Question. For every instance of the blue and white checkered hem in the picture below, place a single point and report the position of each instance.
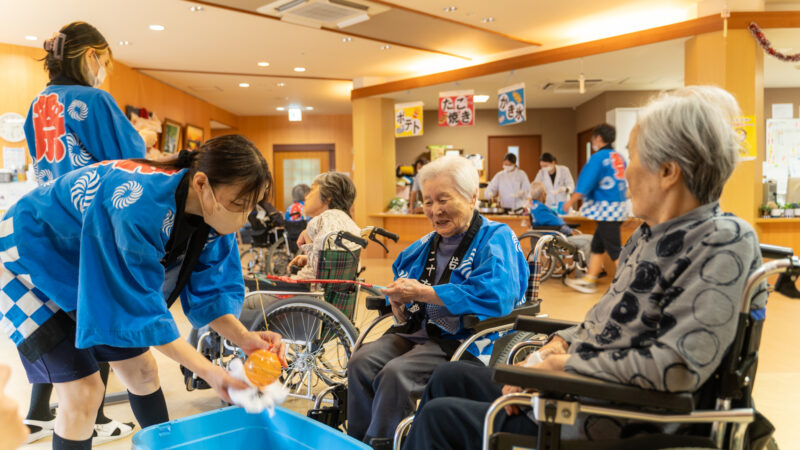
(23, 308)
(604, 211)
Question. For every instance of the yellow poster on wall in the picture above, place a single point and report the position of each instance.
(745, 127)
(408, 119)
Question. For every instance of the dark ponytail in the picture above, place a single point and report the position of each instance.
(66, 50)
(229, 159)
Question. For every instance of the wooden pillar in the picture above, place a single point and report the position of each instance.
(373, 160)
(736, 64)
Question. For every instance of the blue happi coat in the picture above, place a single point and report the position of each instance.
(489, 282)
(73, 126)
(92, 242)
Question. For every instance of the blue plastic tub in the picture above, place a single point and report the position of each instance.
(232, 428)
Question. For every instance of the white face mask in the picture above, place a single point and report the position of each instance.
(101, 73)
(508, 168)
(221, 219)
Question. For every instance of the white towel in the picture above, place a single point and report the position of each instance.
(254, 400)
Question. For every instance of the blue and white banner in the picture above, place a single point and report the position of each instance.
(511, 105)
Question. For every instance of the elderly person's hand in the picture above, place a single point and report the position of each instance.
(299, 261)
(405, 290)
(12, 430)
(552, 361)
(304, 239)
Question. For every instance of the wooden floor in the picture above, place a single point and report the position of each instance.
(777, 391)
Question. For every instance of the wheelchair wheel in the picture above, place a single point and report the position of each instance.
(364, 317)
(278, 258)
(508, 347)
(319, 340)
(548, 263)
(253, 261)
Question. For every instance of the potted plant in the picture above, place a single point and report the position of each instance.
(763, 210)
(796, 207)
(788, 210)
(775, 210)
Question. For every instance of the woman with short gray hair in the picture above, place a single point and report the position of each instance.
(328, 203)
(668, 318)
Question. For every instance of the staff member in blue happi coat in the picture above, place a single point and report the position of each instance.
(603, 187)
(93, 261)
(72, 124)
(467, 265)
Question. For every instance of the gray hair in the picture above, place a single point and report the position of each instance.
(461, 170)
(537, 189)
(337, 189)
(692, 126)
(300, 191)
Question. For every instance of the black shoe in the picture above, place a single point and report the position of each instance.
(381, 443)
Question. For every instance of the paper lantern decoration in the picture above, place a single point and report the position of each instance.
(262, 367)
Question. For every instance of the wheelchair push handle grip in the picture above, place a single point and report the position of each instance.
(387, 234)
(775, 251)
(355, 239)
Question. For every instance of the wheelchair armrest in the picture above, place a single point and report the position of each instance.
(545, 227)
(775, 251)
(558, 383)
(538, 325)
(472, 322)
(377, 303)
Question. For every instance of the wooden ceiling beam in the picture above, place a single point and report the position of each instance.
(708, 24)
(239, 74)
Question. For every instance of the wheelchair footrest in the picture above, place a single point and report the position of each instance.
(330, 415)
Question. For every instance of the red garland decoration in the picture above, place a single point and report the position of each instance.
(765, 44)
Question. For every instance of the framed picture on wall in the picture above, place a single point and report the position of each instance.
(194, 137)
(171, 136)
(131, 111)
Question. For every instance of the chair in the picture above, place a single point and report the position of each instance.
(720, 414)
(557, 260)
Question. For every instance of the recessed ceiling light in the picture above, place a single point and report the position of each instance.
(244, 84)
(157, 27)
(280, 108)
(124, 42)
(480, 98)
(31, 38)
(487, 20)
(263, 64)
(450, 9)
(386, 47)
(309, 108)
(197, 8)
(281, 84)
(347, 39)
(299, 69)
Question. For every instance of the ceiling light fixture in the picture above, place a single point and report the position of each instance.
(244, 85)
(157, 27)
(450, 9)
(281, 84)
(30, 38)
(347, 39)
(280, 108)
(124, 43)
(295, 114)
(309, 108)
(197, 8)
(487, 19)
(263, 64)
(386, 47)
(480, 98)
(299, 69)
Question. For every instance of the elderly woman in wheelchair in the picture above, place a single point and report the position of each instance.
(669, 316)
(467, 265)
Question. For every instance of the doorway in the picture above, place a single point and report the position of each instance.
(527, 148)
(584, 147)
(296, 164)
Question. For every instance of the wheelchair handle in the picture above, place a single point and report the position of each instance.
(352, 238)
(384, 233)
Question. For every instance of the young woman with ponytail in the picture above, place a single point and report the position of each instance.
(102, 253)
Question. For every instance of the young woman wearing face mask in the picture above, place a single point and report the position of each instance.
(71, 124)
(93, 261)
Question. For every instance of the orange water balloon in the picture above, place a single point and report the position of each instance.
(262, 367)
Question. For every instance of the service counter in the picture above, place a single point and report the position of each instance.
(780, 231)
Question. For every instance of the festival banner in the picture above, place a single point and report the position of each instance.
(456, 109)
(745, 127)
(511, 105)
(408, 119)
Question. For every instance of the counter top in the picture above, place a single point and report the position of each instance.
(763, 220)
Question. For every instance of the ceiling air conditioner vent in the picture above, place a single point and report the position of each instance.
(328, 12)
(570, 86)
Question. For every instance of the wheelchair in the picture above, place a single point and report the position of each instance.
(317, 320)
(501, 328)
(720, 414)
(556, 260)
(272, 246)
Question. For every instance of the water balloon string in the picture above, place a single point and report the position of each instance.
(293, 281)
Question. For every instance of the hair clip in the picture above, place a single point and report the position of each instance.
(55, 45)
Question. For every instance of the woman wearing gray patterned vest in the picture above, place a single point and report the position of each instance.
(668, 317)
